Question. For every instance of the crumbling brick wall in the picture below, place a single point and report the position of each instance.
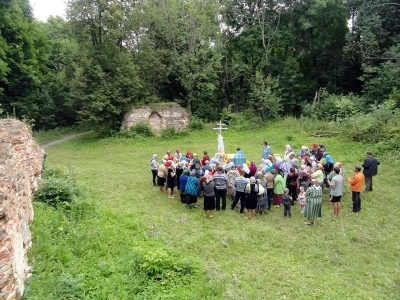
(20, 171)
(159, 118)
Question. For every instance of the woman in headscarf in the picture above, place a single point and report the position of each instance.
(269, 177)
(171, 179)
(191, 190)
(246, 170)
(262, 200)
(232, 174)
(318, 174)
(291, 184)
(304, 177)
(161, 176)
(154, 168)
(288, 150)
(251, 199)
(182, 184)
(279, 188)
(189, 154)
(209, 196)
(253, 169)
(313, 203)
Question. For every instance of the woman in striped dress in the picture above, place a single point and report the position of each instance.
(313, 203)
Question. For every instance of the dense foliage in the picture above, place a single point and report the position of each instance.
(269, 58)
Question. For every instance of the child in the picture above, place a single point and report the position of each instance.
(302, 199)
(287, 204)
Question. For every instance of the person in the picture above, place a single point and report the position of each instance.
(269, 177)
(291, 184)
(189, 154)
(301, 198)
(279, 187)
(206, 166)
(251, 191)
(169, 155)
(262, 200)
(177, 156)
(288, 150)
(370, 166)
(209, 196)
(154, 168)
(240, 186)
(161, 176)
(304, 178)
(266, 151)
(191, 190)
(318, 174)
(328, 167)
(232, 174)
(171, 179)
(336, 185)
(293, 161)
(195, 162)
(313, 202)
(239, 159)
(285, 166)
(182, 184)
(206, 157)
(356, 187)
(178, 173)
(253, 169)
(220, 181)
(287, 203)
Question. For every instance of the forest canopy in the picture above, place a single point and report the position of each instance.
(269, 58)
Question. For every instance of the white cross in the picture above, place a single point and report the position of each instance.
(220, 127)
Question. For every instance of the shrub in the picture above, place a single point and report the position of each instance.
(172, 132)
(57, 187)
(142, 129)
(165, 267)
(196, 123)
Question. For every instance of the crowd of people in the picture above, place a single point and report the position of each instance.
(299, 177)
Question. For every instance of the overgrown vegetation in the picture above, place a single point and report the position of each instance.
(124, 238)
(58, 187)
(265, 58)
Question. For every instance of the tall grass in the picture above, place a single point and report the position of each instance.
(132, 242)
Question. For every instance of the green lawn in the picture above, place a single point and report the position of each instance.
(123, 227)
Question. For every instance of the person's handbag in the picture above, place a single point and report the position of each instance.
(261, 189)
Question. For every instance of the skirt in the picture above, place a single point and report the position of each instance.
(190, 199)
(313, 209)
(278, 199)
(209, 202)
(251, 202)
(160, 181)
(262, 202)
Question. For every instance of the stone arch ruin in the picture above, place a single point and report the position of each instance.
(20, 171)
(159, 117)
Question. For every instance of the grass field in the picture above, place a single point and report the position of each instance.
(123, 239)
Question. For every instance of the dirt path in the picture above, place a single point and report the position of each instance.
(65, 138)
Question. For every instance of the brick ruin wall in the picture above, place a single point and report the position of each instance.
(20, 171)
(159, 118)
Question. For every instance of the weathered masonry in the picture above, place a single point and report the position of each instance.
(20, 171)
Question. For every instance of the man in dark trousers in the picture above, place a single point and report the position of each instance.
(370, 166)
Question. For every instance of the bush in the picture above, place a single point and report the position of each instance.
(142, 129)
(164, 267)
(57, 188)
(196, 123)
(171, 132)
(246, 120)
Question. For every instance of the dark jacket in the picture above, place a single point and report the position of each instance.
(370, 166)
